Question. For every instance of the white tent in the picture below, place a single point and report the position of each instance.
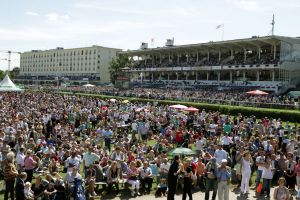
(6, 85)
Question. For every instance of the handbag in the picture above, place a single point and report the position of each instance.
(194, 177)
(133, 178)
(259, 187)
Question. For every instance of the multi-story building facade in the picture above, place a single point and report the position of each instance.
(87, 63)
(269, 63)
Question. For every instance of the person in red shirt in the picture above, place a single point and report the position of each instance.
(130, 157)
(179, 137)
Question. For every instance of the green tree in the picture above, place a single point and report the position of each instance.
(116, 65)
(2, 74)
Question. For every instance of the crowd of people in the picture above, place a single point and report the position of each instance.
(199, 95)
(64, 146)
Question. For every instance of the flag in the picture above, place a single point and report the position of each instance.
(219, 26)
(152, 40)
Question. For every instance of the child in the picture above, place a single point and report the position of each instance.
(29, 195)
(161, 188)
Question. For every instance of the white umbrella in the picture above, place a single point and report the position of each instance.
(88, 85)
(178, 106)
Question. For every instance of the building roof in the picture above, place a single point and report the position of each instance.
(248, 43)
(61, 48)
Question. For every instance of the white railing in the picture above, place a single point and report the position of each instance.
(204, 68)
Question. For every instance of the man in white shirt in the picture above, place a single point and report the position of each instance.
(73, 161)
(199, 145)
(260, 161)
(20, 159)
(134, 128)
(88, 159)
(220, 154)
(71, 176)
(226, 141)
(268, 147)
(164, 168)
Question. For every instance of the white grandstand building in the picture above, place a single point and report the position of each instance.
(270, 63)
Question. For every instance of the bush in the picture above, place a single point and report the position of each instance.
(286, 115)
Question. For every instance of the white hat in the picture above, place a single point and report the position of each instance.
(224, 161)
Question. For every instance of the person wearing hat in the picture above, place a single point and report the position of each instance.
(211, 178)
(223, 175)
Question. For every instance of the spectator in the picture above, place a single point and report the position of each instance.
(164, 168)
(20, 159)
(223, 175)
(29, 195)
(290, 173)
(113, 176)
(267, 176)
(132, 177)
(211, 178)
(161, 188)
(10, 174)
(146, 177)
(29, 164)
(246, 163)
(172, 177)
(89, 158)
(187, 180)
(20, 183)
(260, 161)
(281, 192)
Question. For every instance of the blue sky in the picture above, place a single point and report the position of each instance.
(44, 24)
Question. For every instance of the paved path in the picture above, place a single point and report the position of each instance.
(234, 195)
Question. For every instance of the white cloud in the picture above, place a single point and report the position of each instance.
(143, 11)
(56, 17)
(248, 5)
(30, 13)
(25, 34)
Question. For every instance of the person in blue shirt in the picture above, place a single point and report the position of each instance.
(223, 176)
(107, 137)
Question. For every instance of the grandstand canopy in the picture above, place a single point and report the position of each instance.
(251, 43)
(6, 85)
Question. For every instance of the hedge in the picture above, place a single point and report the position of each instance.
(285, 115)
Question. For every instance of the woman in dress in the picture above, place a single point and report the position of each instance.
(132, 177)
(246, 162)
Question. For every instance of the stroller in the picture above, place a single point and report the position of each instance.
(76, 190)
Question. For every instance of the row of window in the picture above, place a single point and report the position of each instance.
(58, 70)
(58, 64)
(59, 59)
(59, 54)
